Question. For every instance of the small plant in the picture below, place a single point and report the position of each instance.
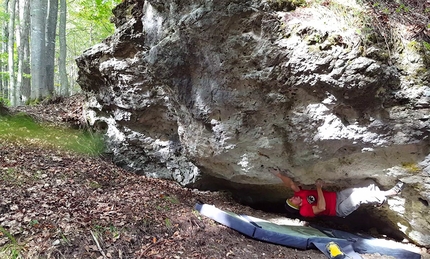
(11, 176)
(162, 208)
(402, 9)
(171, 199)
(286, 5)
(411, 167)
(4, 101)
(315, 39)
(197, 214)
(33, 222)
(115, 232)
(11, 250)
(414, 45)
(426, 45)
(145, 223)
(95, 185)
(386, 10)
(168, 223)
(102, 232)
(99, 228)
(8, 235)
(32, 102)
(64, 239)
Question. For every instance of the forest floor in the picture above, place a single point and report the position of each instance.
(58, 204)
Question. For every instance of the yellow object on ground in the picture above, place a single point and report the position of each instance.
(334, 251)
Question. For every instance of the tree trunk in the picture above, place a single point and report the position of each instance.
(51, 25)
(11, 53)
(64, 82)
(22, 80)
(37, 49)
(3, 50)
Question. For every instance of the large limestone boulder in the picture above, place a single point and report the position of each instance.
(211, 93)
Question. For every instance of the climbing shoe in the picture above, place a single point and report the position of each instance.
(398, 187)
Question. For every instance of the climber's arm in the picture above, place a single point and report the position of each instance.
(321, 205)
(283, 175)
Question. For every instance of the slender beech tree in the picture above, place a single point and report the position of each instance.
(3, 50)
(51, 26)
(11, 52)
(64, 82)
(22, 79)
(38, 9)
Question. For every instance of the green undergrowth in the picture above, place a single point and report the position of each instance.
(23, 129)
(11, 250)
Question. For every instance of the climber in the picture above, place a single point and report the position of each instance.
(310, 203)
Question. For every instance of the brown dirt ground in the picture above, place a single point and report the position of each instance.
(56, 204)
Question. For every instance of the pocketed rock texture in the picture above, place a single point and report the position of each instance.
(211, 93)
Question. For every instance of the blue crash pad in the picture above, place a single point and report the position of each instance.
(305, 237)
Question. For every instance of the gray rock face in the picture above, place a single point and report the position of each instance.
(211, 93)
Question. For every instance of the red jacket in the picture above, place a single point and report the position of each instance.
(310, 199)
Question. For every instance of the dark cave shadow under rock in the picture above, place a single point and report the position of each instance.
(361, 221)
(367, 220)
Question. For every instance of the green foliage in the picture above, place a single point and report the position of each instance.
(107, 232)
(22, 128)
(4, 17)
(32, 102)
(315, 38)
(168, 223)
(89, 21)
(385, 10)
(414, 45)
(171, 199)
(12, 250)
(94, 185)
(402, 9)
(426, 45)
(11, 176)
(4, 74)
(4, 101)
(411, 167)
(8, 235)
(3, 56)
(421, 47)
(27, 76)
(197, 214)
(33, 222)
